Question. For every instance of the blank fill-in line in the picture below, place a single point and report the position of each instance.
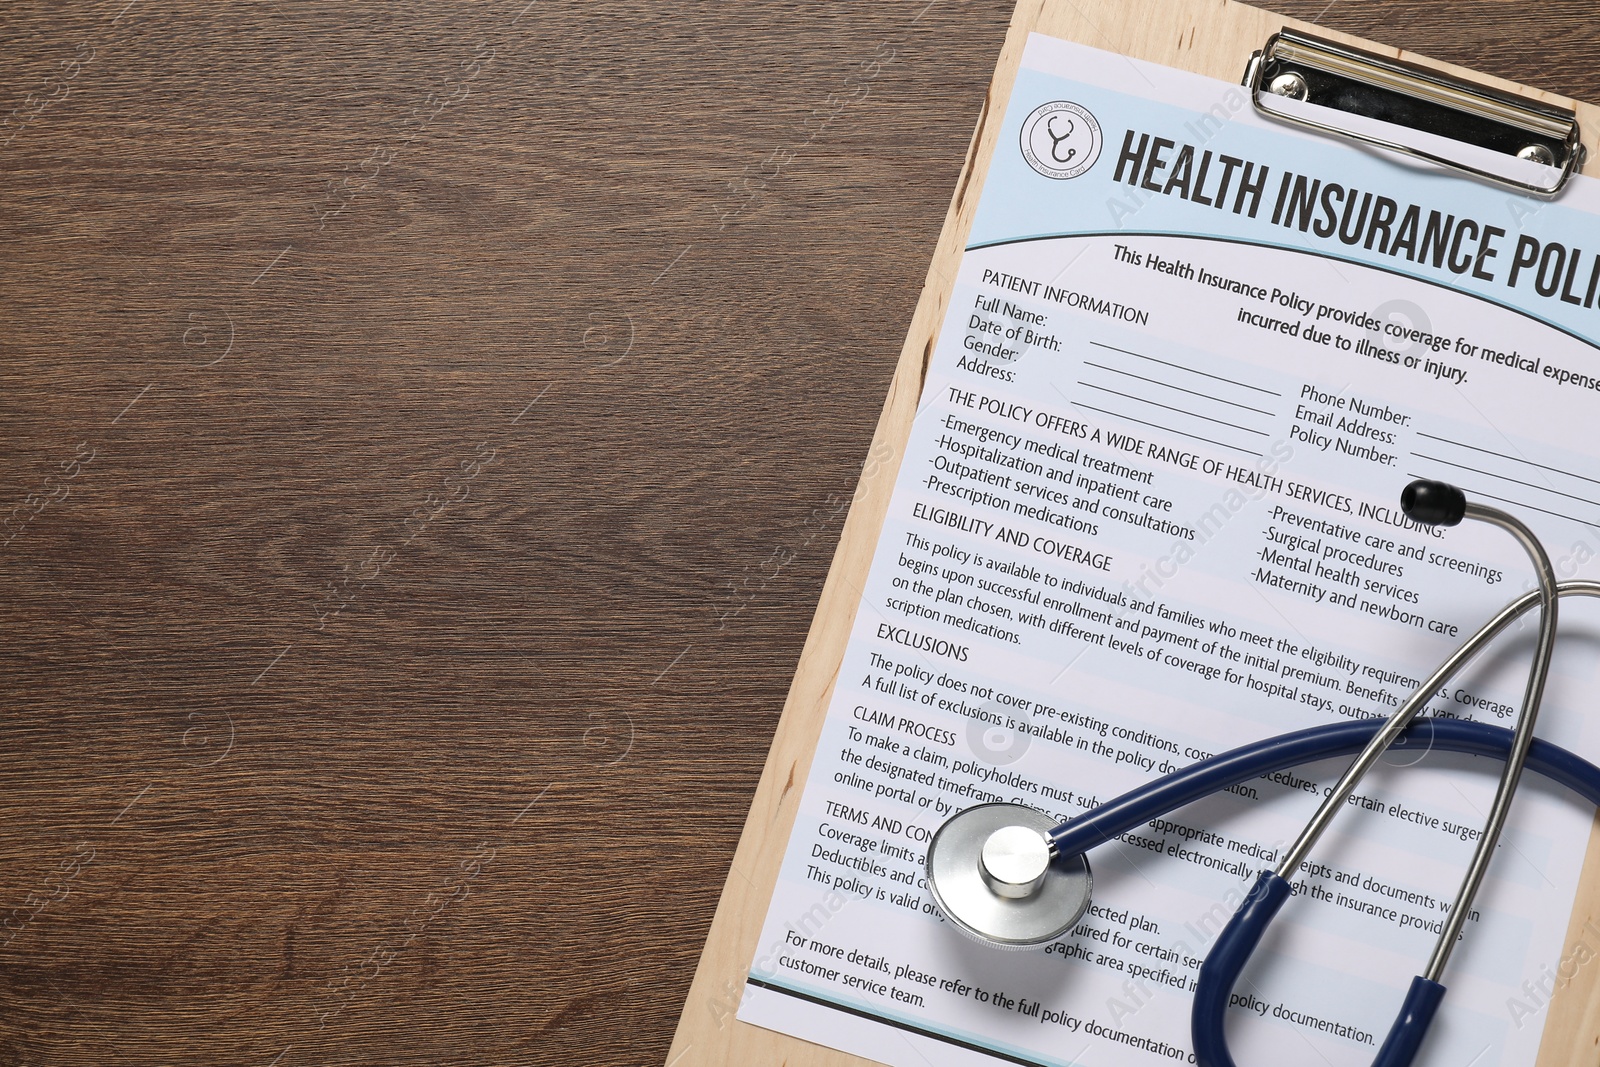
(1517, 503)
(1191, 370)
(1507, 478)
(1167, 429)
(1514, 459)
(1179, 388)
(1169, 407)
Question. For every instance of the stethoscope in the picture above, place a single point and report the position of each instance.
(1009, 876)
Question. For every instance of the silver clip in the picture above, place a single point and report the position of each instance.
(1332, 88)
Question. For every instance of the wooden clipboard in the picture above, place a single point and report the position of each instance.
(1210, 37)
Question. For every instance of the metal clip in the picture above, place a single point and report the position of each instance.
(1332, 88)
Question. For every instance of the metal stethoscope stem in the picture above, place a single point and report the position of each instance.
(1533, 695)
(1040, 910)
(1155, 799)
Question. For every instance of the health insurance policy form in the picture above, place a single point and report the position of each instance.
(1148, 512)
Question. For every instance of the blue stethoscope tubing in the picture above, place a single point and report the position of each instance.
(1285, 751)
(1238, 940)
(1243, 933)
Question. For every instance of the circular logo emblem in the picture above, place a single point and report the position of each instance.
(1060, 140)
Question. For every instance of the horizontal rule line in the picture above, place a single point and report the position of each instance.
(1517, 503)
(1514, 459)
(1179, 388)
(1507, 478)
(1168, 429)
(1191, 370)
(1169, 407)
(862, 1013)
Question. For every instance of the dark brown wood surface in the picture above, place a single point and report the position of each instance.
(424, 430)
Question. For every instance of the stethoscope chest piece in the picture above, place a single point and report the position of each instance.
(992, 874)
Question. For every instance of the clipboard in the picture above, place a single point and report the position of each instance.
(1222, 41)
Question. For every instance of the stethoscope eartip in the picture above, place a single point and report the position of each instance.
(1433, 503)
(993, 875)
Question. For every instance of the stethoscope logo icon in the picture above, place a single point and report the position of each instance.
(1055, 141)
(1060, 139)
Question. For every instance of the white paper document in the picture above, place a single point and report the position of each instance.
(1148, 513)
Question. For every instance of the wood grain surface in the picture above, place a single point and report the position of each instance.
(424, 431)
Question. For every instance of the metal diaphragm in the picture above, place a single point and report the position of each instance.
(1008, 901)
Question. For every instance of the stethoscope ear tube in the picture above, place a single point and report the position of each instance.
(1155, 800)
(1433, 503)
(1239, 939)
(1233, 949)
(1411, 1025)
(1238, 942)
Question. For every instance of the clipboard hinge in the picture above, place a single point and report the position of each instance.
(1525, 145)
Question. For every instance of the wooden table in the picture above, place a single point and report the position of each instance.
(425, 432)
